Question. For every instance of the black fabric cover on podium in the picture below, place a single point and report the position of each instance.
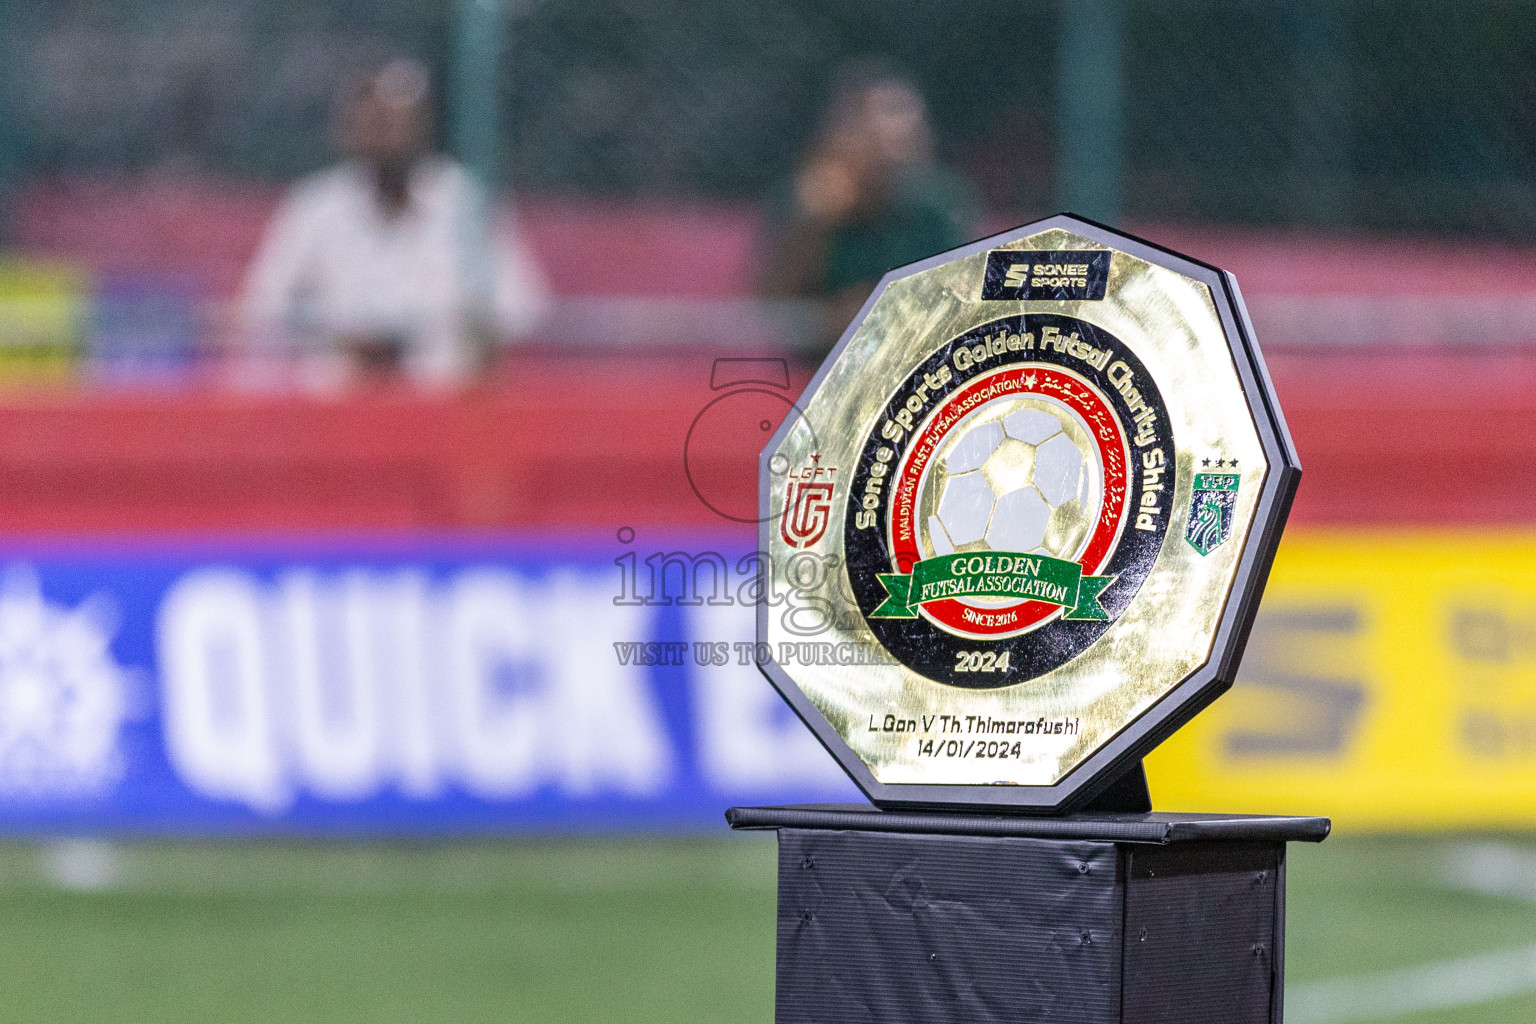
(911, 917)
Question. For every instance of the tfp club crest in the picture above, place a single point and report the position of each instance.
(1212, 503)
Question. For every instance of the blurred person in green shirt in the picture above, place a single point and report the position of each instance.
(867, 197)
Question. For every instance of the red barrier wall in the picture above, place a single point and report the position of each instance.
(1385, 437)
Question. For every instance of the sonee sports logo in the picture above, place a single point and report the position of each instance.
(1059, 274)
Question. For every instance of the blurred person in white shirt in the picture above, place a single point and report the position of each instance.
(387, 264)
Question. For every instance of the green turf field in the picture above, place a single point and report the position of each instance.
(634, 930)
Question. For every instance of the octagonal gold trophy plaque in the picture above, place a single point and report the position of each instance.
(1038, 486)
(1018, 531)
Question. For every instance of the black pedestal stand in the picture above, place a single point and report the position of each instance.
(920, 918)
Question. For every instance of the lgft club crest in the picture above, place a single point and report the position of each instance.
(807, 504)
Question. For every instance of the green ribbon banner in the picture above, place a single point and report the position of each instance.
(994, 574)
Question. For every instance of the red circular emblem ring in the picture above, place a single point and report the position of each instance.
(1055, 384)
(1038, 441)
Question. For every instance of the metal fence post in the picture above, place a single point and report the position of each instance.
(474, 107)
(1090, 108)
(1321, 144)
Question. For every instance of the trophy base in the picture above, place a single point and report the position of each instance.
(898, 917)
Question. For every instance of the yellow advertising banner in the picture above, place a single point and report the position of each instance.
(1390, 683)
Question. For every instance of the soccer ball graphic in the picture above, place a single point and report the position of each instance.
(1018, 474)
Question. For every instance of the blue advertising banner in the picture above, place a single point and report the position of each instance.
(387, 687)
